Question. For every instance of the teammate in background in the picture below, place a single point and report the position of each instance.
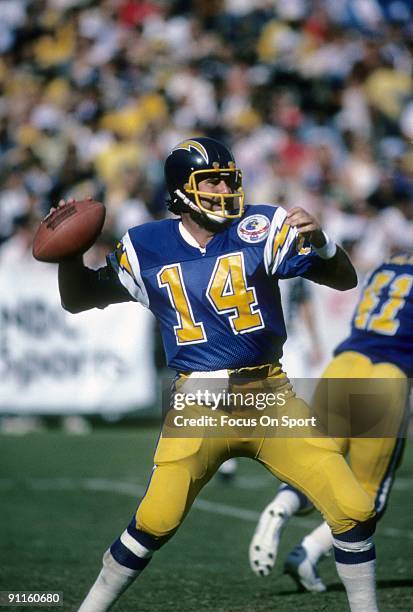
(380, 346)
(211, 279)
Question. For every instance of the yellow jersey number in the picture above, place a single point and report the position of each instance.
(227, 291)
(384, 322)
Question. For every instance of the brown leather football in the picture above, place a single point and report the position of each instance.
(69, 231)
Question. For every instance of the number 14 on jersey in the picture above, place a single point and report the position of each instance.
(227, 293)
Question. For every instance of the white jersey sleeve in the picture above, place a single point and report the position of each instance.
(125, 262)
(280, 238)
(285, 252)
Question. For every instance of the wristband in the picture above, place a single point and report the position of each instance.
(328, 250)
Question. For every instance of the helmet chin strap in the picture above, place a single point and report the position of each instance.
(187, 201)
(216, 219)
(194, 207)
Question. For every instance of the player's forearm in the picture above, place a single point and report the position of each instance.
(82, 288)
(336, 272)
(75, 285)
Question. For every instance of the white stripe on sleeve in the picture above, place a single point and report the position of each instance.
(132, 279)
(279, 240)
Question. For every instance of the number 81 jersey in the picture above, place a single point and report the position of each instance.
(382, 325)
(218, 307)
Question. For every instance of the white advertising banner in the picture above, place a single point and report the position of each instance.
(52, 362)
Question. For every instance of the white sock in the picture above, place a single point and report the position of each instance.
(113, 579)
(360, 584)
(287, 501)
(318, 543)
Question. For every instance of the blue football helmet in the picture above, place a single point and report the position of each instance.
(194, 160)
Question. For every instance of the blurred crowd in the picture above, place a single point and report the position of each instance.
(315, 97)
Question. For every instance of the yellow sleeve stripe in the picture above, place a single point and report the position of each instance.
(124, 263)
(280, 238)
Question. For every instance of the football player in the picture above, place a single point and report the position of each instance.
(211, 279)
(380, 350)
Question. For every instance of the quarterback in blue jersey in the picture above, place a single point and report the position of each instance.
(211, 279)
(379, 349)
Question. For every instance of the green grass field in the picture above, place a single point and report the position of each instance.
(65, 498)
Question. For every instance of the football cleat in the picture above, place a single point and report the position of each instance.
(264, 544)
(303, 572)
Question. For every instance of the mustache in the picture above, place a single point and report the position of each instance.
(212, 199)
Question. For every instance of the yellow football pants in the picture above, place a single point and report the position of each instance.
(373, 460)
(314, 465)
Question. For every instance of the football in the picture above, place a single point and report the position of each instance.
(69, 231)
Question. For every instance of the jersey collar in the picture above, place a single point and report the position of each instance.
(189, 239)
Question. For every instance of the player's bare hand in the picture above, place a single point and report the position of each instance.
(306, 225)
(60, 204)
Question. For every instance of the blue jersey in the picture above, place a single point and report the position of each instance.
(219, 306)
(382, 325)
